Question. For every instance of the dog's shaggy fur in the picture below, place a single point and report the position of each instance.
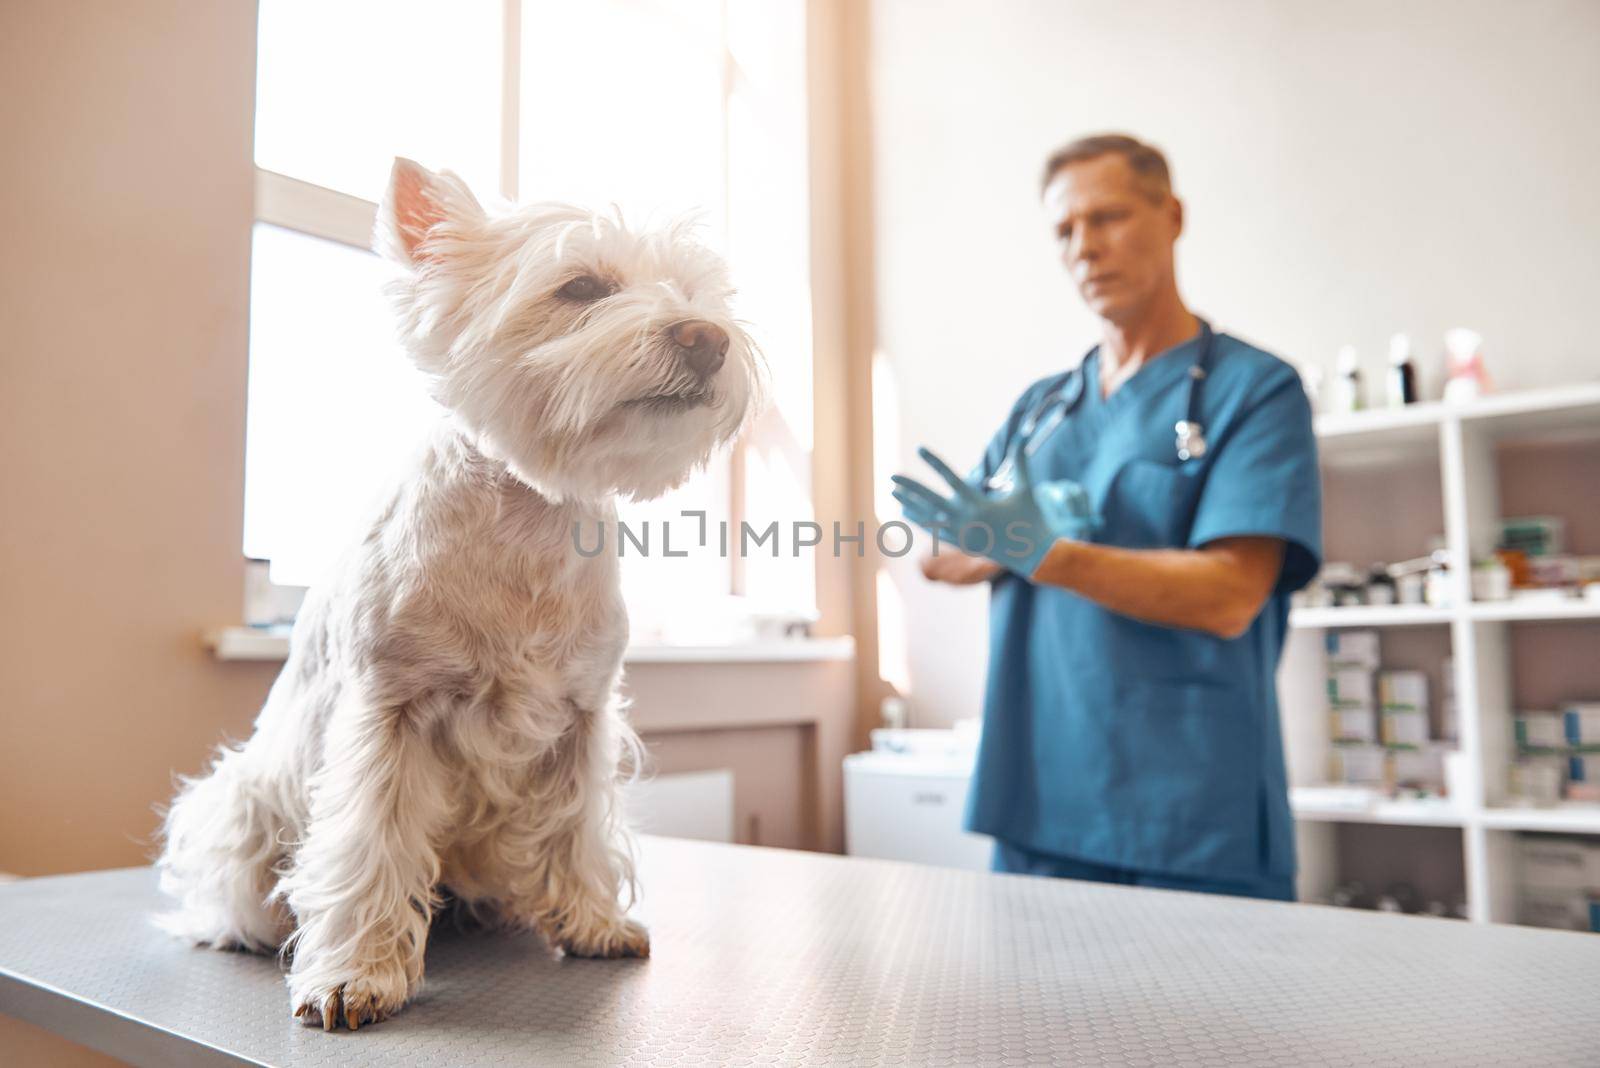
(448, 717)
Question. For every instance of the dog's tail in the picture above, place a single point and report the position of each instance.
(219, 859)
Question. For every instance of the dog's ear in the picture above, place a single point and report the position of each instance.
(416, 203)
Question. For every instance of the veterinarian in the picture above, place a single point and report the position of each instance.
(1130, 730)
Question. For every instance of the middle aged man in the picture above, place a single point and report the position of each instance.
(1144, 518)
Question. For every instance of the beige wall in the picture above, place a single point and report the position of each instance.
(126, 199)
(1349, 169)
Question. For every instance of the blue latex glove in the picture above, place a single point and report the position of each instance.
(1014, 529)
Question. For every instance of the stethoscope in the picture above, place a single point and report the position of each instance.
(1047, 414)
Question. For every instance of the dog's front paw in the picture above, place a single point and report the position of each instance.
(625, 938)
(358, 1000)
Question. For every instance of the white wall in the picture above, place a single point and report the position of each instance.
(1349, 170)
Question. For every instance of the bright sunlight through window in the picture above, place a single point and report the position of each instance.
(661, 108)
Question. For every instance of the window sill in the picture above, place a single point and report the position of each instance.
(272, 644)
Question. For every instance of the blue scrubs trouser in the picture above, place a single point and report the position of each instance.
(1010, 858)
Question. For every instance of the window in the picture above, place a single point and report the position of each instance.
(658, 107)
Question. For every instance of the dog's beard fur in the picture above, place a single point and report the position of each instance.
(448, 718)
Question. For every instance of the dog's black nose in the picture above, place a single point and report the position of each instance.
(701, 345)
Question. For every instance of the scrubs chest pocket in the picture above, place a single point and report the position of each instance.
(1151, 505)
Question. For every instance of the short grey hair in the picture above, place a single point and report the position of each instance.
(1149, 166)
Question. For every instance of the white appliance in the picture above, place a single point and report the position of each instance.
(906, 797)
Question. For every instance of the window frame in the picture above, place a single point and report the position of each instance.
(319, 211)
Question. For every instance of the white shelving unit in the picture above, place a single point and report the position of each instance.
(1465, 445)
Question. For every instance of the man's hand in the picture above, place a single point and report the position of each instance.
(1014, 528)
(958, 569)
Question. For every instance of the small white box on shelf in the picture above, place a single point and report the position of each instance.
(1354, 723)
(1559, 864)
(1352, 648)
(1420, 768)
(1541, 730)
(1407, 690)
(1564, 910)
(1359, 764)
(1349, 685)
(1537, 780)
(1405, 726)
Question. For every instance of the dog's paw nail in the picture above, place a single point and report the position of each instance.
(628, 939)
(363, 1000)
(330, 1011)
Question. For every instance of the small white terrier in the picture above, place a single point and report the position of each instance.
(448, 717)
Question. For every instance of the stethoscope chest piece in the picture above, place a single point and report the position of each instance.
(1191, 434)
(1191, 440)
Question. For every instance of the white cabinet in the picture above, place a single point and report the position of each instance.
(909, 806)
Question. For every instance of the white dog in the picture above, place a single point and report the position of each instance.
(448, 716)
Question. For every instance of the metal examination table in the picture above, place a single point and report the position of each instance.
(772, 957)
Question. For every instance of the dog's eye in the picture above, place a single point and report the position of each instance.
(586, 287)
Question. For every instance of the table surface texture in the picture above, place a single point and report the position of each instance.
(765, 956)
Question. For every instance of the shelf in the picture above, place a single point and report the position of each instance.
(1537, 413)
(1573, 608)
(1573, 818)
(253, 643)
(1376, 615)
(1415, 615)
(1380, 434)
(247, 643)
(1400, 813)
(1414, 420)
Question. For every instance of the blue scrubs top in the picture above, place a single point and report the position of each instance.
(1130, 744)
